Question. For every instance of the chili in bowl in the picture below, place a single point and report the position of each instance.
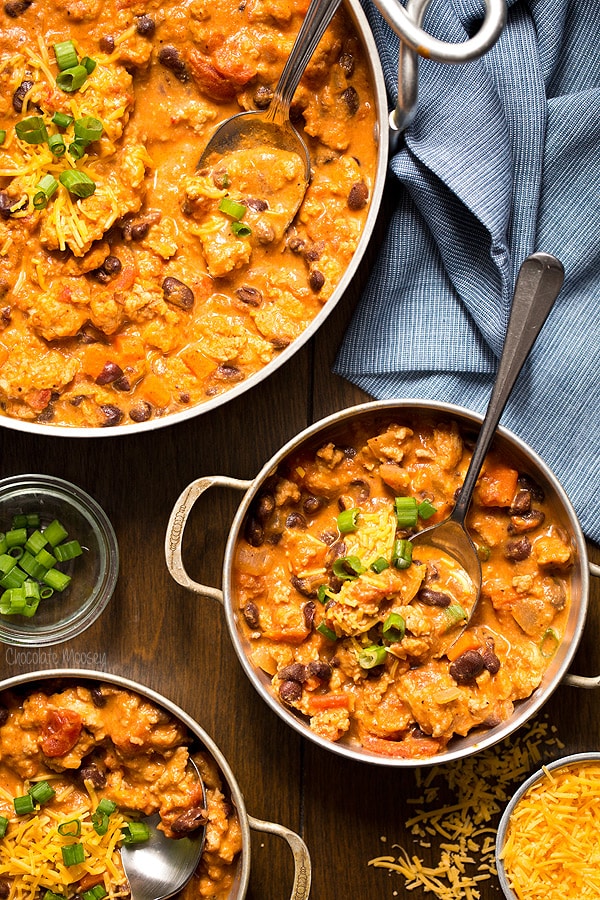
(341, 629)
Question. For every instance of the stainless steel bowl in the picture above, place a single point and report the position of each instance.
(370, 414)
(302, 863)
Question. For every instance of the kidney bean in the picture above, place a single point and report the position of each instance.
(20, 94)
(309, 611)
(251, 615)
(145, 26)
(141, 412)
(316, 280)
(109, 373)
(319, 669)
(293, 672)
(290, 691)
(190, 820)
(16, 8)
(113, 414)
(295, 520)
(171, 59)
(358, 196)
(518, 550)
(107, 44)
(434, 598)
(467, 667)
(94, 774)
(250, 295)
(262, 96)
(351, 99)
(177, 293)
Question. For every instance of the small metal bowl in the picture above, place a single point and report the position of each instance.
(65, 614)
(502, 834)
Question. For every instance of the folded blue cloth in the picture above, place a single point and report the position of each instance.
(502, 158)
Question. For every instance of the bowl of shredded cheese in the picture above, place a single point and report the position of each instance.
(547, 845)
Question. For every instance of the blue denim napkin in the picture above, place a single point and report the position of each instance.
(502, 158)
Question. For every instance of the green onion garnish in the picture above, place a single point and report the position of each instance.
(402, 554)
(62, 120)
(347, 567)
(240, 229)
(347, 520)
(73, 854)
(24, 805)
(26, 520)
(68, 550)
(46, 592)
(455, 613)
(100, 822)
(70, 80)
(7, 563)
(406, 512)
(426, 510)
(394, 628)
(3, 825)
(41, 792)
(88, 64)
(55, 533)
(32, 130)
(372, 656)
(549, 642)
(55, 579)
(324, 593)
(232, 208)
(66, 55)
(77, 183)
(30, 565)
(77, 149)
(88, 129)
(56, 142)
(36, 540)
(107, 807)
(135, 833)
(51, 895)
(72, 828)
(16, 537)
(2, 135)
(95, 893)
(326, 632)
(380, 564)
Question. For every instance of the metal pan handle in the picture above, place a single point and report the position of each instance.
(581, 681)
(302, 865)
(176, 526)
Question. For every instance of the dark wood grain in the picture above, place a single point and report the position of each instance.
(163, 636)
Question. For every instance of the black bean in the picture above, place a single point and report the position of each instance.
(263, 96)
(518, 550)
(109, 373)
(351, 99)
(92, 773)
(250, 614)
(467, 667)
(4, 888)
(490, 660)
(304, 586)
(309, 611)
(290, 691)
(319, 669)
(101, 276)
(255, 203)
(293, 672)
(535, 489)
(113, 414)
(434, 598)
(527, 522)
(346, 61)
(521, 503)
(312, 504)
(145, 26)
(107, 43)
(177, 293)
(5, 205)
(141, 412)
(98, 698)
(358, 196)
(16, 8)
(170, 58)
(335, 584)
(295, 520)
(316, 280)
(3, 715)
(329, 537)
(190, 821)
(250, 295)
(296, 244)
(122, 384)
(6, 315)
(314, 252)
(254, 532)
(229, 373)
(20, 94)
(47, 414)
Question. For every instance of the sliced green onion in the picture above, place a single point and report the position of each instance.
(347, 567)
(77, 149)
(2, 135)
(7, 563)
(70, 80)
(426, 510)
(41, 792)
(31, 605)
(394, 628)
(3, 544)
(73, 854)
(36, 540)
(3, 825)
(66, 55)
(45, 559)
(72, 828)
(380, 564)
(62, 120)
(55, 579)
(135, 833)
(16, 552)
(406, 512)
(16, 537)
(31, 588)
(372, 656)
(55, 533)
(347, 520)
(56, 142)
(88, 129)
(549, 642)
(13, 601)
(232, 208)
(32, 130)
(95, 893)
(241, 230)
(402, 554)
(51, 895)
(14, 579)
(454, 614)
(68, 550)
(326, 632)
(77, 183)
(88, 64)
(24, 805)
(100, 822)
(46, 592)
(33, 568)
(107, 807)
(324, 593)
(26, 520)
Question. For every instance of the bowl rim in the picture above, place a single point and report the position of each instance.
(562, 762)
(381, 137)
(524, 709)
(104, 587)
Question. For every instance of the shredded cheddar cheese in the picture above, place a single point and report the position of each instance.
(464, 831)
(552, 850)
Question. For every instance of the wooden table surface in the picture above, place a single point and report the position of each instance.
(176, 643)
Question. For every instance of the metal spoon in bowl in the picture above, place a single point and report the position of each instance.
(272, 127)
(538, 284)
(160, 867)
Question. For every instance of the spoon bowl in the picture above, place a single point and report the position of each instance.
(160, 867)
(538, 284)
(272, 128)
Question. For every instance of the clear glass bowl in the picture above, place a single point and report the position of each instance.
(65, 614)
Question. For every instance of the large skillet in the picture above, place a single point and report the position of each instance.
(302, 863)
(327, 429)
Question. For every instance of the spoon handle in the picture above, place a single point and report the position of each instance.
(538, 283)
(318, 16)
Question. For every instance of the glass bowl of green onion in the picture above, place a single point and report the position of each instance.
(59, 560)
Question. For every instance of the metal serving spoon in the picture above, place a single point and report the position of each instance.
(272, 127)
(539, 281)
(160, 867)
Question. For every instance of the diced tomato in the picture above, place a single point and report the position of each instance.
(61, 732)
(209, 80)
